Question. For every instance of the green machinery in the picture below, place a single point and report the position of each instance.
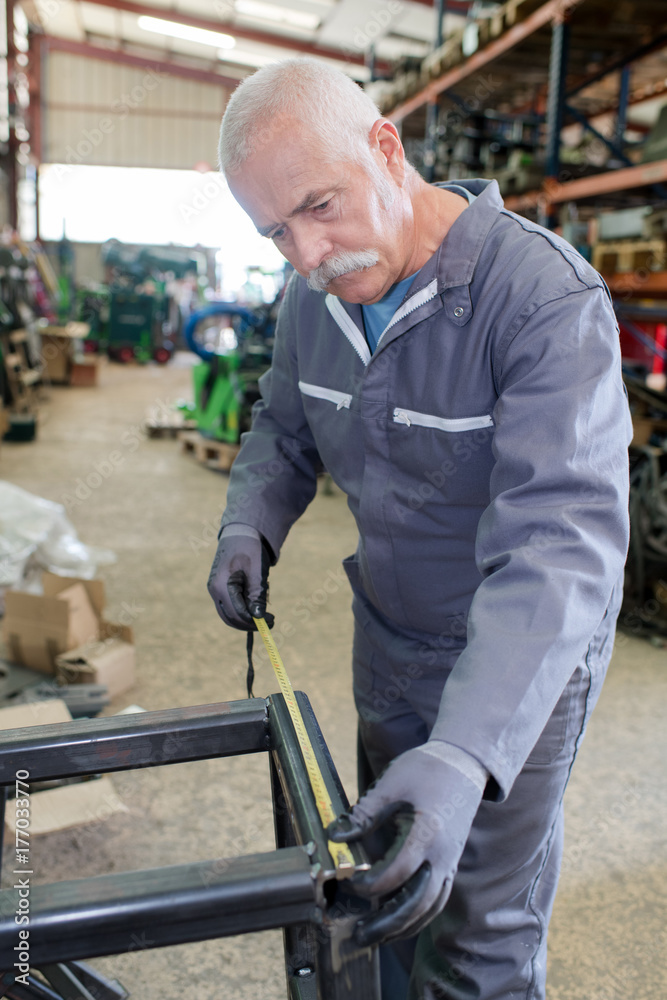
(133, 317)
(235, 346)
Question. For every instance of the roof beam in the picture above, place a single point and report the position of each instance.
(53, 43)
(453, 6)
(229, 27)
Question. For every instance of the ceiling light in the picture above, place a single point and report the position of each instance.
(245, 58)
(214, 38)
(271, 12)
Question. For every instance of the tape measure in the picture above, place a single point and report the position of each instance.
(340, 853)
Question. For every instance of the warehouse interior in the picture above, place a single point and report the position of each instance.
(138, 309)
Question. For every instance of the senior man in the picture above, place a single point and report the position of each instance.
(456, 370)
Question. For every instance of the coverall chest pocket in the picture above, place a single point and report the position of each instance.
(446, 459)
(333, 424)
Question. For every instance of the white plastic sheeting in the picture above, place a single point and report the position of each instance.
(36, 535)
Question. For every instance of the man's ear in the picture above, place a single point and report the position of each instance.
(385, 142)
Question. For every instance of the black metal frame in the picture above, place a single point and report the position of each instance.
(294, 887)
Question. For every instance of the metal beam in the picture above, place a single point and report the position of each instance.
(623, 98)
(159, 907)
(548, 12)
(554, 192)
(323, 959)
(231, 28)
(612, 145)
(657, 43)
(461, 7)
(126, 742)
(616, 180)
(10, 162)
(52, 43)
(556, 97)
(298, 799)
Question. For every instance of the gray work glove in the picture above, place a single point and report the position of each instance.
(239, 576)
(431, 805)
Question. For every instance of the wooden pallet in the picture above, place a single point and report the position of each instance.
(164, 424)
(624, 256)
(169, 430)
(216, 455)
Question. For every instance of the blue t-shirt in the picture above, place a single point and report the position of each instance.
(379, 315)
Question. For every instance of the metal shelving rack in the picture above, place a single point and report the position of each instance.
(555, 61)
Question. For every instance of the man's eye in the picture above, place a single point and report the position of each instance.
(324, 204)
(278, 235)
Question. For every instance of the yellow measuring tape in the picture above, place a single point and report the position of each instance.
(339, 852)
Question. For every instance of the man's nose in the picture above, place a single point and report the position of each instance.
(312, 247)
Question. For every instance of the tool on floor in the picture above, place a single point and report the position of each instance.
(341, 854)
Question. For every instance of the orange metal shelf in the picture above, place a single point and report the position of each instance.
(554, 192)
(638, 285)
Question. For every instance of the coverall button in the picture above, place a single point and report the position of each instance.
(458, 311)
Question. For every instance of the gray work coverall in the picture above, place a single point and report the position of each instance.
(483, 450)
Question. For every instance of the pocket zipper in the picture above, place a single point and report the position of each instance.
(341, 399)
(450, 424)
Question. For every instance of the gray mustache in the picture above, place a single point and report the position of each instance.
(343, 263)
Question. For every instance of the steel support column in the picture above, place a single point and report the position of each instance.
(622, 113)
(431, 134)
(321, 959)
(11, 165)
(556, 97)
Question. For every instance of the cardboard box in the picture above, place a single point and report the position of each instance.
(57, 353)
(70, 805)
(84, 371)
(35, 713)
(70, 613)
(107, 661)
(66, 805)
(38, 628)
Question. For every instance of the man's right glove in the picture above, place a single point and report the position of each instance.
(432, 805)
(238, 582)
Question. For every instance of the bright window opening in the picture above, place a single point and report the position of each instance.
(148, 206)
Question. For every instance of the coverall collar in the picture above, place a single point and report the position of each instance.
(454, 262)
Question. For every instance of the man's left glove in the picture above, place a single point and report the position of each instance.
(432, 805)
(239, 577)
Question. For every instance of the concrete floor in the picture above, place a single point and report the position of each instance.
(158, 510)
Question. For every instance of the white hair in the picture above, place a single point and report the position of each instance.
(336, 111)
